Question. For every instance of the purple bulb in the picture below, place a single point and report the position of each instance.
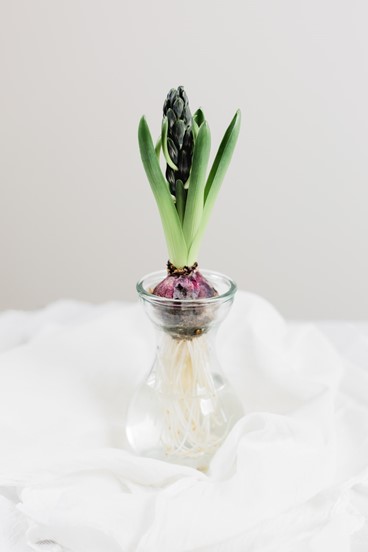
(186, 284)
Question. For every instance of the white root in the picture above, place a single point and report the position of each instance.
(195, 423)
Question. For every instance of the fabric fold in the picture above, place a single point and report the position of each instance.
(276, 483)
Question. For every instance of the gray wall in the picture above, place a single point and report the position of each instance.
(77, 218)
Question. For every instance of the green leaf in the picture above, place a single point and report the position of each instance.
(198, 117)
(180, 199)
(198, 120)
(215, 179)
(223, 158)
(158, 148)
(195, 198)
(195, 130)
(164, 131)
(169, 216)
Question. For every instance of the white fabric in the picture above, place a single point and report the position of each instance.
(291, 477)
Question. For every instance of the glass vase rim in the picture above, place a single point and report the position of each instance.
(161, 274)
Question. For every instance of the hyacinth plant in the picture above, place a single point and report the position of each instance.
(190, 414)
(185, 196)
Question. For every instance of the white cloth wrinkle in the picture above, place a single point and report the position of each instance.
(66, 379)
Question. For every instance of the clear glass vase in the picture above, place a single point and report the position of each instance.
(185, 408)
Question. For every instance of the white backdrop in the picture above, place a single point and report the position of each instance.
(77, 217)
